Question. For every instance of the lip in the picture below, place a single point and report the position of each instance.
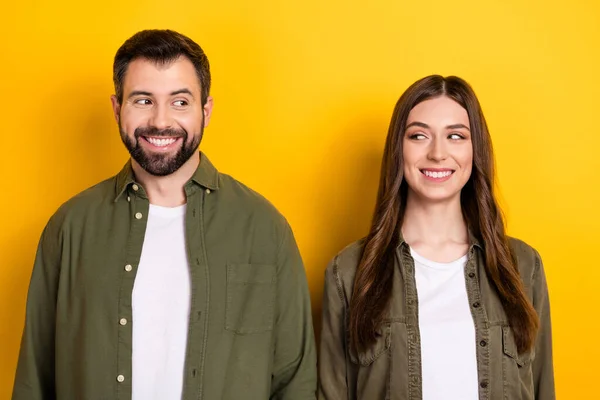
(154, 147)
(437, 180)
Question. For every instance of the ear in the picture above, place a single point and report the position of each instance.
(116, 106)
(207, 110)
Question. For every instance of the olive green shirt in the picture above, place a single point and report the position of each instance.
(250, 332)
(391, 367)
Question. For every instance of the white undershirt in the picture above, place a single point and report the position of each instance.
(161, 307)
(448, 348)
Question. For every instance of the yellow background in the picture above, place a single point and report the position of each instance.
(303, 94)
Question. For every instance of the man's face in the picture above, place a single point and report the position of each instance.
(161, 117)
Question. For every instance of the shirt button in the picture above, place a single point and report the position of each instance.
(483, 343)
(484, 384)
(123, 321)
(120, 378)
(476, 304)
(138, 215)
(128, 268)
(135, 187)
(128, 198)
(207, 191)
(471, 274)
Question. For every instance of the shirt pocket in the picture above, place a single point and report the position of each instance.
(375, 350)
(250, 298)
(518, 378)
(509, 347)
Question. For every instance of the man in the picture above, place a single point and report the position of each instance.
(169, 280)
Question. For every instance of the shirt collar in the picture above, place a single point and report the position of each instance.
(206, 175)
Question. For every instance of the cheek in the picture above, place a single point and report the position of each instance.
(192, 123)
(405, 161)
(466, 161)
(132, 119)
(468, 158)
(410, 155)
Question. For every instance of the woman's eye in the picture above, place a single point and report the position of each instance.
(455, 136)
(417, 136)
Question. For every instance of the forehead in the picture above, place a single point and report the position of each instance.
(439, 111)
(147, 75)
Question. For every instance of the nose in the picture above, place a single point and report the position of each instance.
(437, 150)
(160, 117)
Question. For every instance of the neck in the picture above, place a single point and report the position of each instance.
(167, 191)
(434, 223)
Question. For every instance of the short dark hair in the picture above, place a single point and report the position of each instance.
(162, 47)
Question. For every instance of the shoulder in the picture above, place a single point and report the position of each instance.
(343, 266)
(78, 208)
(528, 258)
(243, 202)
(80, 205)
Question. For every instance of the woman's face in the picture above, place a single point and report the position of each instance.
(437, 150)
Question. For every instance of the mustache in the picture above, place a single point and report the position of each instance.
(155, 132)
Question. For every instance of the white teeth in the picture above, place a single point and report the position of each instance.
(433, 174)
(161, 142)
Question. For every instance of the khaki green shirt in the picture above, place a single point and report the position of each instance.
(250, 331)
(391, 367)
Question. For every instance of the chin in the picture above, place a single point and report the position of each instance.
(430, 197)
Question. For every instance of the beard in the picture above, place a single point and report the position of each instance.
(157, 164)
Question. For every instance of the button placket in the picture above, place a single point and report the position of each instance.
(479, 318)
(137, 212)
(413, 340)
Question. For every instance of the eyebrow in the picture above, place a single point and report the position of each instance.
(419, 124)
(424, 125)
(139, 93)
(174, 93)
(182, 91)
(458, 126)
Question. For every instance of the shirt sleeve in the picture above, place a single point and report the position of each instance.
(294, 366)
(332, 357)
(34, 379)
(543, 370)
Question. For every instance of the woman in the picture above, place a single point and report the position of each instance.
(436, 302)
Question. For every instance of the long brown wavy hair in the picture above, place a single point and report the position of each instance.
(373, 281)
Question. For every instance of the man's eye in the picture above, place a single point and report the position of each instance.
(143, 102)
(180, 103)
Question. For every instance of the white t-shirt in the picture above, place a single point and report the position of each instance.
(161, 307)
(448, 347)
